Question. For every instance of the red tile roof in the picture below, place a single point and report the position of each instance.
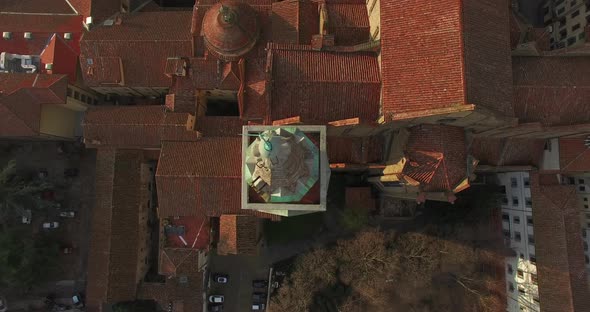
(114, 239)
(574, 156)
(143, 42)
(352, 150)
(349, 23)
(219, 126)
(21, 96)
(41, 23)
(35, 6)
(508, 152)
(324, 86)
(551, 90)
(563, 284)
(294, 21)
(237, 235)
(201, 178)
(98, 9)
(62, 56)
(437, 157)
(464, 55)
(136, 126)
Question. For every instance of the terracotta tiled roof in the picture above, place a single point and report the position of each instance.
(98, 9)
(294, 21)
(349, 23)
(324, 86)
(143, 42)
(219, 126)
(551, 90)
(352, 150)
(113, 254)
(508, 152)
(62, 56)
(455, 63)
(437, 156)
(237, 235)
(574, 156)
(41, 23)
(563, 284)
(136, 126)
(21, 96)
(201, 178)
(35, 6)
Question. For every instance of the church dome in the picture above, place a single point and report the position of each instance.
(230, 29)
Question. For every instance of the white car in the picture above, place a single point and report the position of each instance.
(216, 299)
(258, 307)
(67, 214)
(50, 225)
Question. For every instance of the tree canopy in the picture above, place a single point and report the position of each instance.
(26, 261)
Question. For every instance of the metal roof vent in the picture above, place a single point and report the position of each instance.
(49, 66)
(28, 35)
(587, 141)
(68, 36)
(6, 35)
(109, 22)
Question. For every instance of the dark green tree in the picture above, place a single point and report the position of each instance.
(26, 261)
(18, 193)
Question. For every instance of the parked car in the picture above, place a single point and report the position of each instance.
(258, 297)
(67, 214)
(78, 301)
(216, 298)
(50, 225)
(258, 307)
(3, 307)
(221, 278)
(259, 283)
(27, 215)
(216, 307)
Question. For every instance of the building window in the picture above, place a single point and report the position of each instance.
(571, 181)
(528, 202)
(534, 279)
(531, 239)
(503, 189)
(69, 91)
(514, 201)
(76, 95)
(582, 188)
(587, 259)
(584, 233)
(560, 11)
(513, 182)
(533, 259)
(571, 40)
(509, 269)
(506, 233)
(585, 199)
(521, 290)
(563, 34)
(83, 97)
(517, 236)
(576, 27)
(585, 246)
(516, 219)
(520, 273)
(505, 200)
(586, 206)
(89, 100)
(529, 220)
(576, 13)
(527, 182)
(505, 217)
(580, 181)
(95, 102)
(561, 22)
(510, 287)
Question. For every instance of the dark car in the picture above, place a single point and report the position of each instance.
(258, 297)
(259, 283)
(216, 308)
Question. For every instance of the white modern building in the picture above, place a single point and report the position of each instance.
(566, 20)
(517, 225)
(582, 183)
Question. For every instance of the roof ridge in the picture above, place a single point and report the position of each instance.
(577, 157)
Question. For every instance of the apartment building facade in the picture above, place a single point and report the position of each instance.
(517, 226)
(568, 20)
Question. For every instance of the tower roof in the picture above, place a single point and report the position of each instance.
(230, 29)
